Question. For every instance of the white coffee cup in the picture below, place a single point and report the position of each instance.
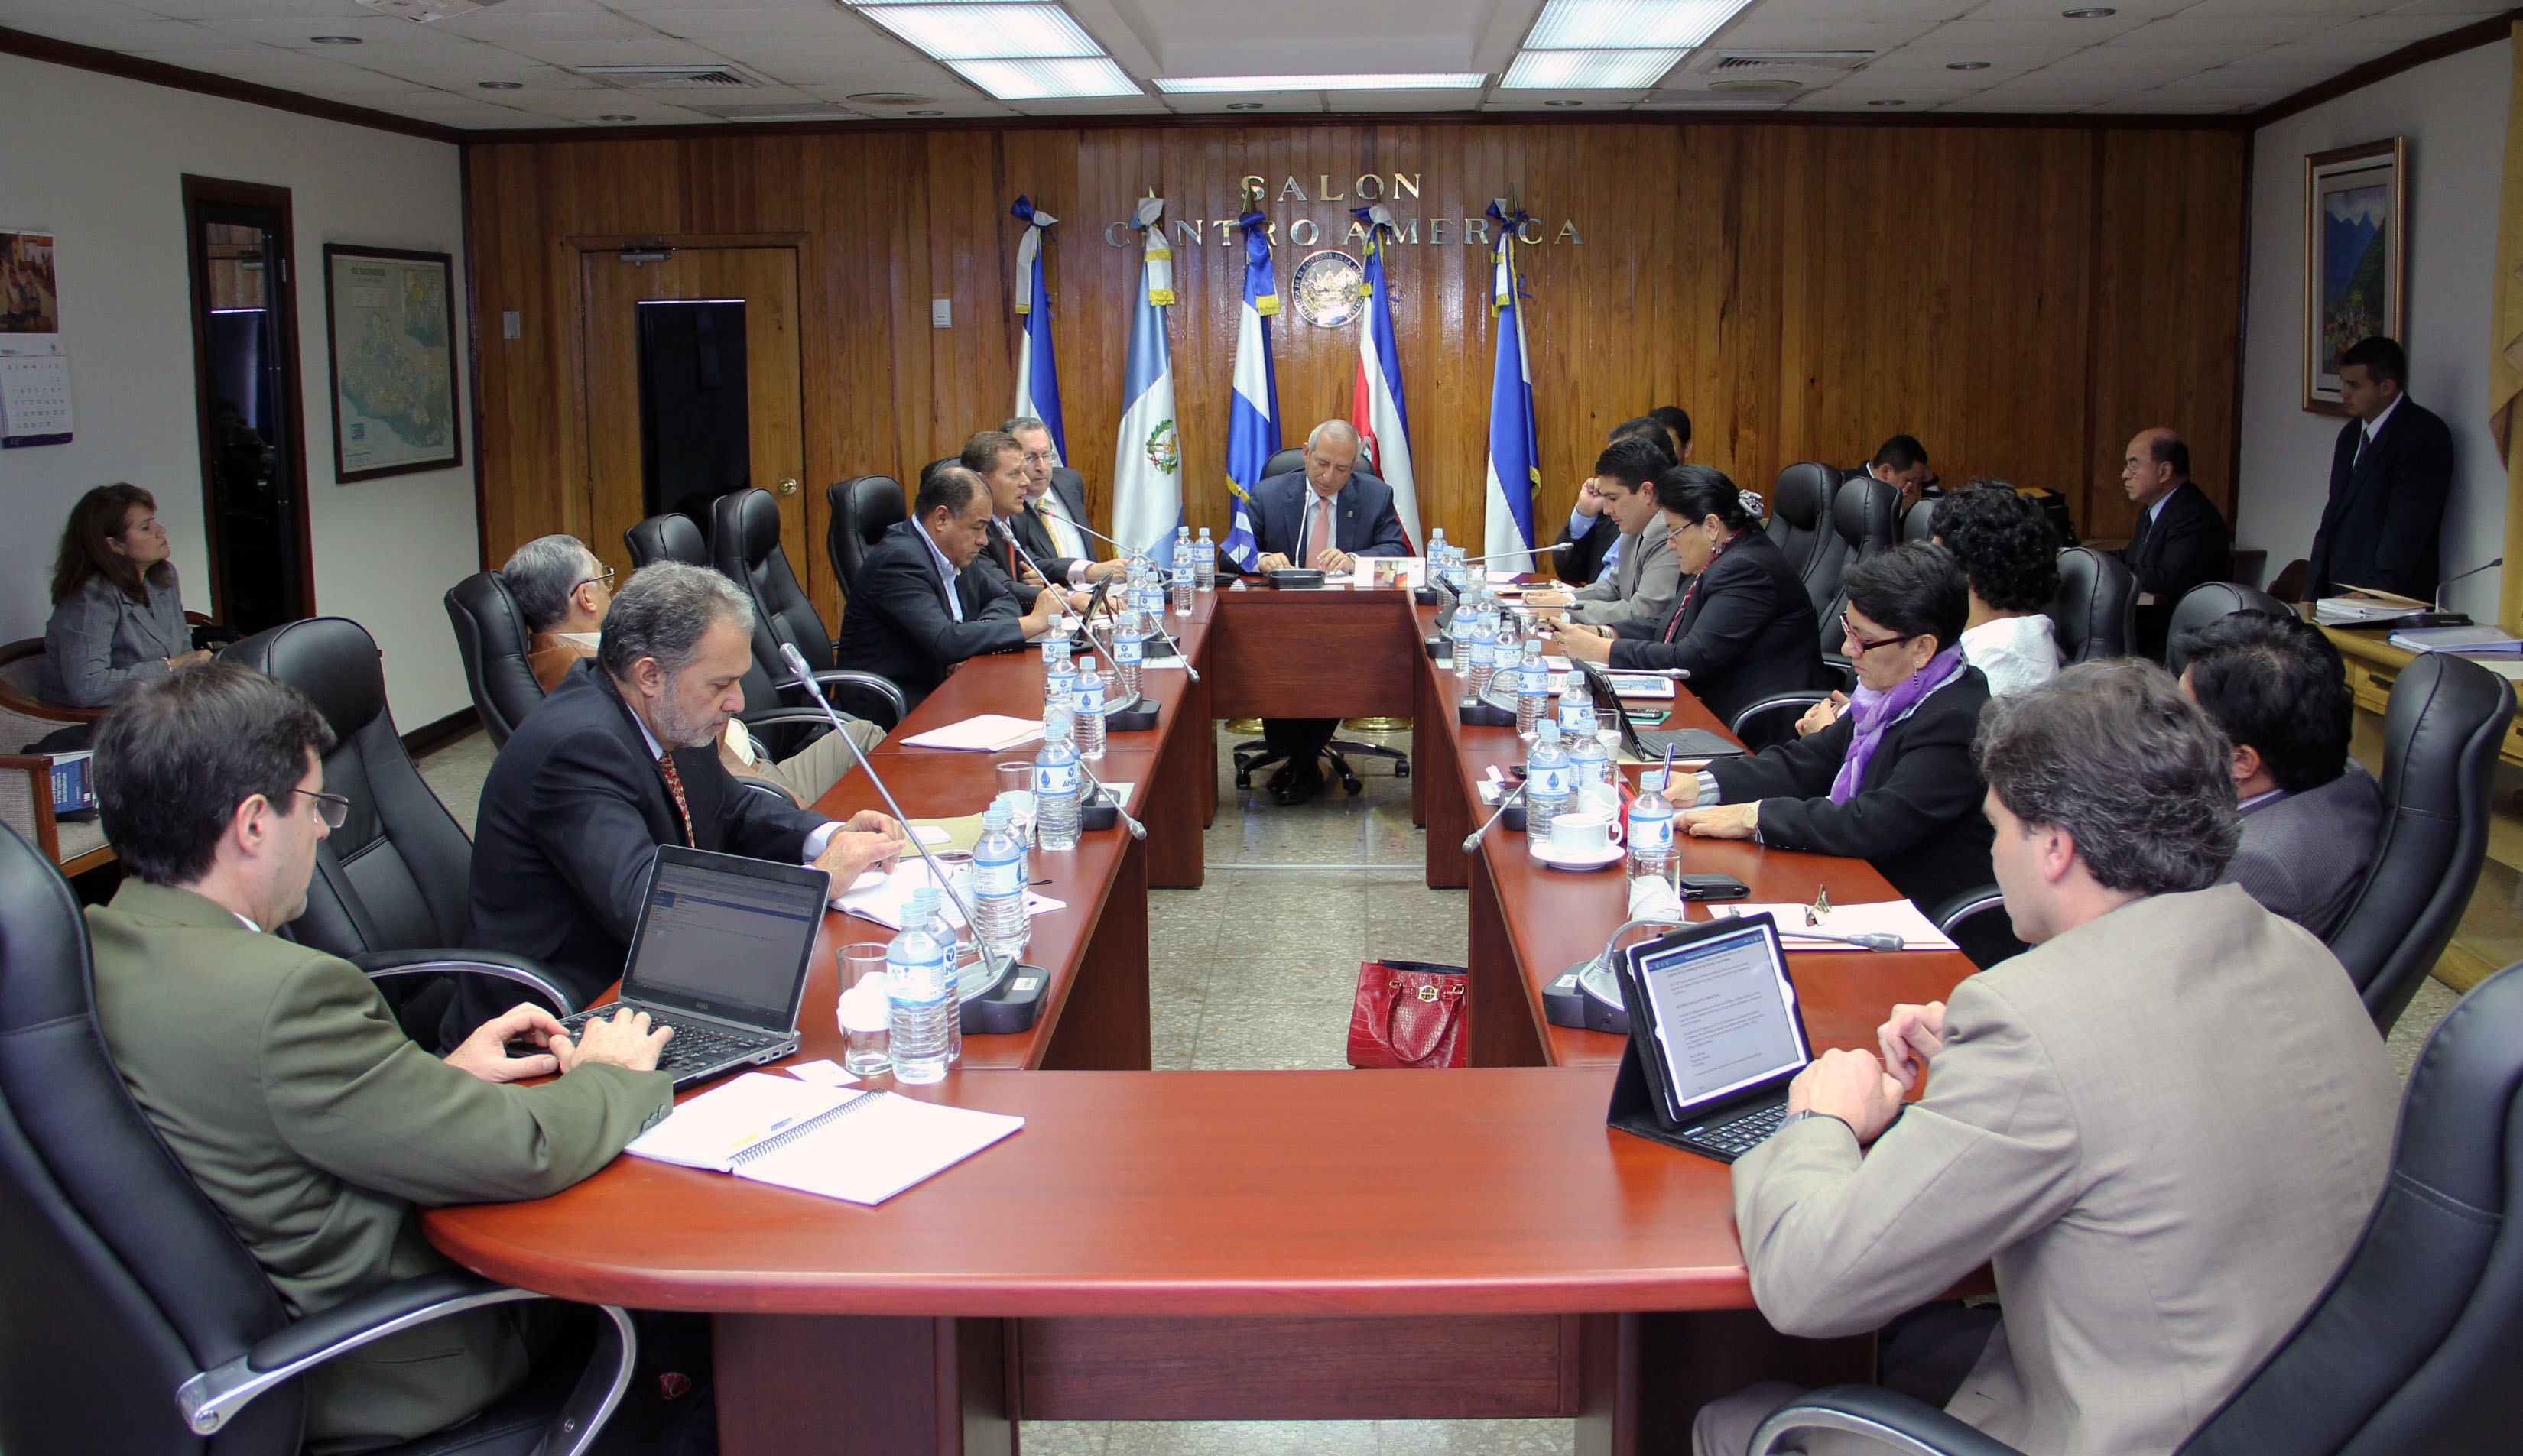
(1583, 834)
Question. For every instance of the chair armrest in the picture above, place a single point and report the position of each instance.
(799, 716)
(376, 965)
(883, 688)
(1895, 1422)
(211, 1398)
(1788, 706)
(1963, 906)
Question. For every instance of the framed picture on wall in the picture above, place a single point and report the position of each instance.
(2355, 200)
(390, 325)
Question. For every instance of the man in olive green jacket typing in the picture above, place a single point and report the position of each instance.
(277, 1073)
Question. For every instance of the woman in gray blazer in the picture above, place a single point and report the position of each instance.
(118, 613)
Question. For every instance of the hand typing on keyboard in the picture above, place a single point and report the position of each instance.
(509, 1047)
(625, 1040)
(1850, 1086)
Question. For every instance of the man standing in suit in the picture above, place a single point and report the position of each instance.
(621, 758)
(995, 456)
(2389, 476)
(2179, 541)
(1323, 516)
(2310, 813)
(926, 602)
(1590, 544)
(1645, 576)
(2164, 1125)
(276, 1074)
(1050, 522)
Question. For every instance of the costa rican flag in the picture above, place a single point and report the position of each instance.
(1376, 406)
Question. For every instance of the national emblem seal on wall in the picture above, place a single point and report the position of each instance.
(1327, 289)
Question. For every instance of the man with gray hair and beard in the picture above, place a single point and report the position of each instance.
(2163, 1125)
(621, 758)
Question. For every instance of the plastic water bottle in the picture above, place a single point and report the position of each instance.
(919, 986)
(1550, 786)
(1060, 680)
(1204, 562)
(1056, 647)
(1589, 764)
(1532, 688)
(1088, 704)
(950, 940)
(1181, 582)
(998, 885)
(1057, 780)
(1651, 846)
(1128, 653)
(1145, 594)
(1436, 553)
(1482, 665)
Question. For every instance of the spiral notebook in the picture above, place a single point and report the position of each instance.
(834, 1142)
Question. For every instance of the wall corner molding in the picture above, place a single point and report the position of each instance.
(176, 77)
(2434, 48)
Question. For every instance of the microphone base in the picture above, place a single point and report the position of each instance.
(1427, 596)
(1574, 1001)
(1480, 712)
(1437, 649)
(1136, 720)
(1012, 1006)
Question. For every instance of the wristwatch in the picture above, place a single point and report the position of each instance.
(1792, 1118)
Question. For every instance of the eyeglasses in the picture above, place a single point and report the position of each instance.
(606, 576)
(333, 809)
(1848, 630)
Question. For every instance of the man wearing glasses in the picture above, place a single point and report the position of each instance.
(562, 591)
(1049, 522)
(276, 1074)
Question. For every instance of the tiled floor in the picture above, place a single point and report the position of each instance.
(1256, 970)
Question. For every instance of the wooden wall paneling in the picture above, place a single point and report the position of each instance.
(2167, 292)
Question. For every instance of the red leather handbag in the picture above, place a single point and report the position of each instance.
(1409, 1014)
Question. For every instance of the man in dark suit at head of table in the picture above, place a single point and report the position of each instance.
(2388, 475)
(2179, 541)
(1324, 516)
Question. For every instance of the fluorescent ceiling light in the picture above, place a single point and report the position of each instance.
(1628, 24)
(1588, 70)
(986, 32)
(1195, 85)
(1034, 80)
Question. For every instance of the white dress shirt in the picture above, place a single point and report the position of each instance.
(2015, 653)
(945, 572)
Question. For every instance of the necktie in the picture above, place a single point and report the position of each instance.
(1063, 534)
(675, 787)
(2364, 438)
(1318, 531)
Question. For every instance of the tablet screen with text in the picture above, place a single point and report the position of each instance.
(1725, 1013)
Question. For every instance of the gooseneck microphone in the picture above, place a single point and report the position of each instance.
(1472, 840)
(1137, 829)
(1159, 618)
(990, 958)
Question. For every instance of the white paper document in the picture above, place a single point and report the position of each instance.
(882, 898)
(1884, 918)
(863, 1146)
(990, 732)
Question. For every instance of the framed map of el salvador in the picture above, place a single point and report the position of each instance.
(391, 329)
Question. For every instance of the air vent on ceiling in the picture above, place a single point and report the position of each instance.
(891, 98)
(1753, 86)
(799, 111)
(672, 78)
(1735, 61)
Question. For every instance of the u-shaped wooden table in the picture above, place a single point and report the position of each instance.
(1233, 1245)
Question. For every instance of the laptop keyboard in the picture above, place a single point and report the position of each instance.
(1744, 1133)
(692, 1045)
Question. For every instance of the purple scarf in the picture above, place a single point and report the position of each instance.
(1874, 711)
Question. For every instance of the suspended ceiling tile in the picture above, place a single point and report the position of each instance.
(1833, 11)
(1755, 31)
(2184, 30)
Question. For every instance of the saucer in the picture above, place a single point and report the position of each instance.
(1610, 853)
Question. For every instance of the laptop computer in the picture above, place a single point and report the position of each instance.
(1724, 1028)
(720, 954)
(1648, 744)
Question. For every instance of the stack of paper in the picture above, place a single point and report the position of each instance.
(1640, 685)
(1884, 917)
(990, 732)
(2456, 639)
(863, 1146)
(882, 897)
(2347, 611)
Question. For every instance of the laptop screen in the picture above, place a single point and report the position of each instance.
(1725, 1012)
(726, 936)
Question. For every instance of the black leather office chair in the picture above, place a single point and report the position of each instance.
(132, 1321)
(744, 536)
(1976, 920)
(1917, 522)
(2413, 1347)
(2094, 613)
(2441, 733)
(492, 639)
(1281, 461)
(392, 886)
(2205, 603)
(1800, 523)
(864, 508)
(1866, 516)
(668, 538)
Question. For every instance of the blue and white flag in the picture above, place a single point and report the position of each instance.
(1147, 456)
(1515, 466)
(1375, 406)
(1037, 372)
(1252, 415)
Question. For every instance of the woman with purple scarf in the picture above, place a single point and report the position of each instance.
(1891, 782)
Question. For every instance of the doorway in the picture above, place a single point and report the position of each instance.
(246, 397)
(694, 388)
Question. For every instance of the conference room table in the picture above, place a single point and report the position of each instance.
(1233, 1245)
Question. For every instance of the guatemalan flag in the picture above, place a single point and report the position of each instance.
(1376, 408)
(1252, 415)
(1147, 458)
(1515, 466)
(1037, 372)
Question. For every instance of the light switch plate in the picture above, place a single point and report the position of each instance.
(941, 313)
